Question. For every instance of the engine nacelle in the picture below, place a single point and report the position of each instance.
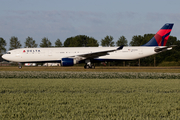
(68, 62)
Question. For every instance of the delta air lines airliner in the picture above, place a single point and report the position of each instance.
(69, 56)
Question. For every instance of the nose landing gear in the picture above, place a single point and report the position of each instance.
(19, 65)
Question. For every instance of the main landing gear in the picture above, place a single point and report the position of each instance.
(89, 65)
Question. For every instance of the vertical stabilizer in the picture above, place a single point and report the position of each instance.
(161, 37)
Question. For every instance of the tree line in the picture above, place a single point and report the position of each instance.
(86, 41)
(77, 41)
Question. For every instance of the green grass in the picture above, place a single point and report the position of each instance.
(86, 75)
(90, 99)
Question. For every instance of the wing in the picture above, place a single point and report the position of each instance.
(95, 54)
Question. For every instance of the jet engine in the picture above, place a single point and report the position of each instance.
(68, 62)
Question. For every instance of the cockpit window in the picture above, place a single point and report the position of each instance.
(8, 53)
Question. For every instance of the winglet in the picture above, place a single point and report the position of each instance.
(121, 47)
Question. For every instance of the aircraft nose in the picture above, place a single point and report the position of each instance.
(4, 56)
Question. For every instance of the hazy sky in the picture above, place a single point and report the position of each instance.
(95, 18)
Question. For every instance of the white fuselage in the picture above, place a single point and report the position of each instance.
(56, 54)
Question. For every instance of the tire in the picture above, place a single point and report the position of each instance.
(87, 66)
(19, 66)
(93, 67)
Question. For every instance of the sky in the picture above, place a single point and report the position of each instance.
(95, 18)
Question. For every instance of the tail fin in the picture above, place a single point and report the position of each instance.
(161, 37)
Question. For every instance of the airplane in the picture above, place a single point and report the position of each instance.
(69, 56)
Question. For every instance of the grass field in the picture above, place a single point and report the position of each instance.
(97, 69)
(90, 99)
(86, 75)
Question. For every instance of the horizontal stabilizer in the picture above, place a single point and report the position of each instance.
(161, 49)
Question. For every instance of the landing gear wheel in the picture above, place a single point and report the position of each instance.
(19, 66)
(93, 67)
(87, 66)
